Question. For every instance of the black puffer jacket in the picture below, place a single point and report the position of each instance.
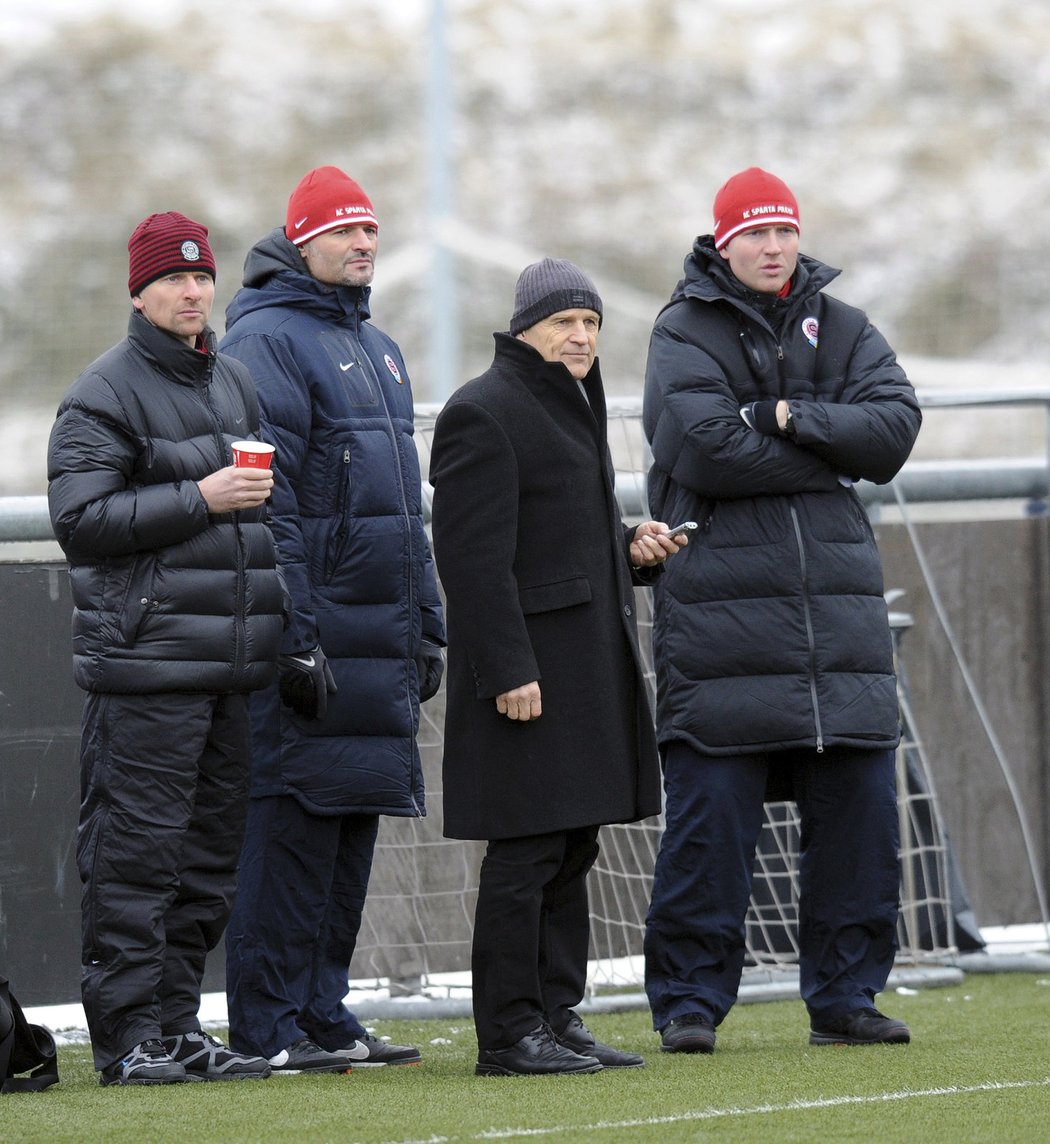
(166, 597)
(771, 629)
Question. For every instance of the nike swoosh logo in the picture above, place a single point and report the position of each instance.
(305, 660)
(357, 1052)
(301, 221)
(344, 368)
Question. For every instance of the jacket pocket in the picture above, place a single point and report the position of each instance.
(138, 600)
(551, 597)
(341, 525)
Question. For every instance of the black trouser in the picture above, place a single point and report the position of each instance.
(164, 787)
(531, 933)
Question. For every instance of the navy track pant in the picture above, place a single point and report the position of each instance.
(300, 896)
(849, 879)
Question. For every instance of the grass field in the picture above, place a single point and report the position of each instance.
(978, 1070)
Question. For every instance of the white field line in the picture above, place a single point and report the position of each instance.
(721, 1113)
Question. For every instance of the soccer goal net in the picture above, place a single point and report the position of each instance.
(417, 924)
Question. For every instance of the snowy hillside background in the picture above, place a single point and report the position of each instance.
(915, 137)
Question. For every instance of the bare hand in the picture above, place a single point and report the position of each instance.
(650, 547)
(523, 703)
(233, 488)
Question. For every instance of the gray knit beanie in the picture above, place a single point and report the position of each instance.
(546, 287)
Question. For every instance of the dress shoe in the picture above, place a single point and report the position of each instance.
(861, 1027)
(580, 1039)
(535, 1054)
(690, 1033)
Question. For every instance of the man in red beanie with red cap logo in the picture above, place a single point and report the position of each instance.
(335, 738)
(765, 400)
(178, 610)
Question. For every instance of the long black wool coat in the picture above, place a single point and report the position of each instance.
(533, 557)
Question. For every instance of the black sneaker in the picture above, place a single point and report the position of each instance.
(580, 1039)
(305, 1057)
(147, 1063)
(369, 1052)
(205, 1057)
(690, 1033)
(861, 1027)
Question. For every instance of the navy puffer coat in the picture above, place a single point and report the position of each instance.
(771, 630)
(347, 514)
(166, 597)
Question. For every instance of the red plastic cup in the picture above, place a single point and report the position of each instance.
(252, 454)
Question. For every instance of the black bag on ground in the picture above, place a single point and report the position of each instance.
(24, 1048)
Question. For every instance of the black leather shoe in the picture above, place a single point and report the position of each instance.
(861, 1027)
(577, 1037)
(536, 1054)
(690, 1033)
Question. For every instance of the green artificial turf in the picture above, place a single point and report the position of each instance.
(978, 1070)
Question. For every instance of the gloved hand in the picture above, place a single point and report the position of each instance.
(761, 416)
(431, 665)
(305, 682)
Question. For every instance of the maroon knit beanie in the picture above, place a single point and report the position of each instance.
(326, 199)
(164, 243)
(753, 198)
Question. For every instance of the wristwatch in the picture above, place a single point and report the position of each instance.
(789, 424)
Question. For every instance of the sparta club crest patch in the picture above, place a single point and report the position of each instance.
(190, 250)
(392, 366)
(811, 329)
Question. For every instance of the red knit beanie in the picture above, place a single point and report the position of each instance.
(326, 199)
(751, 199)
(164, 243)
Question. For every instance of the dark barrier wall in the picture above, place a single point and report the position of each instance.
(993, 580)
(39, 786)
(40, 710)
(993, 577)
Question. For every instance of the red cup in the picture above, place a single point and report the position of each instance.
(252, 454)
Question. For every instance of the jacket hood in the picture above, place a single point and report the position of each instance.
(275, 275)
(708, 277)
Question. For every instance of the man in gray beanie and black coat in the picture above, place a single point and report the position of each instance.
(548, 731)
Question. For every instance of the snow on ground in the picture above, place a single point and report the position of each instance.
(68, 1022)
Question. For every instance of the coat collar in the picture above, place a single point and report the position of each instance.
(708, 277)
(179, 361)
(551, 381)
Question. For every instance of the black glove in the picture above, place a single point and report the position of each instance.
(761, 416)
(305, 682)
(431, 665)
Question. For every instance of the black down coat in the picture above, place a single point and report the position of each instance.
(771, 630)
(166, 597)
(533, 558)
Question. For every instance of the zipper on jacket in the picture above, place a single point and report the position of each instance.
(335, 549)
(366, 360)
(239, 626)
(810, 637)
